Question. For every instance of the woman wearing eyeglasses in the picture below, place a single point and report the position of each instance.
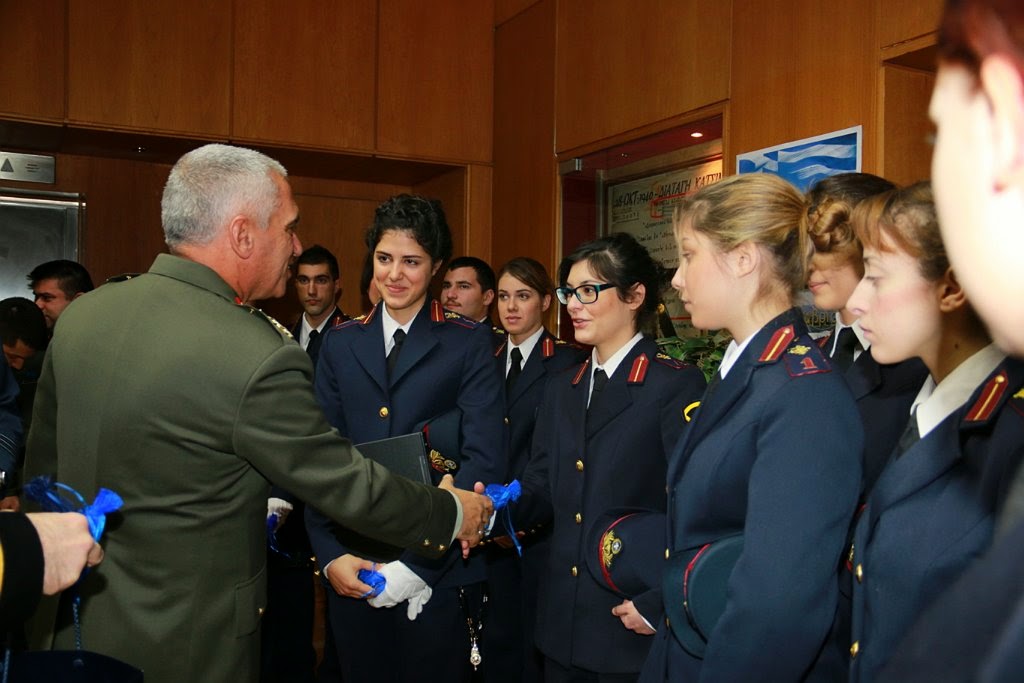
(604, 431)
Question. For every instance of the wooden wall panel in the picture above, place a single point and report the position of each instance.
(304, 73)
(32, 36)
(525, 176)
(161, 65)
(435, 79)
(337, 223)
(506, 9)
(807, 70)
(451, 189)
(906, 154)
(623, 65)
(906, 20)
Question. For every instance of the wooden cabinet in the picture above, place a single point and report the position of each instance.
(304, 73)
(623, 65)
(435, 79)
(906, 20)
(160, 65)
(32, 77)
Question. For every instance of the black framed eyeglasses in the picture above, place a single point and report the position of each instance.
(587, 294)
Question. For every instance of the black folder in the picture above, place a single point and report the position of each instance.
(405, 455)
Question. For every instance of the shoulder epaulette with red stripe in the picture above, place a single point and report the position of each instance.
(366, 319)
(988, 400)
(547, 347)
(436, 311)
(777, 344)
(638, 372)
(358, 320)
(805, 360)
(500, 350)
(671, 362)
(581, 372)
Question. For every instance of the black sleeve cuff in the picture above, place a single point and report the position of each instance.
(22, 582)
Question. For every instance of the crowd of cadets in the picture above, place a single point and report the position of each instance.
(845, 478)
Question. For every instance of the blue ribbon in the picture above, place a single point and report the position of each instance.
(500, 494)
(272, 521)
(53, 496)
(374, 579)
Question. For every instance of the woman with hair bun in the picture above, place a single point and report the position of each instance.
(771, 460)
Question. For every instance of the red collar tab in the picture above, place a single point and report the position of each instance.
(373, 311)
(639, 370)
(579, 374)
(823, 340)
(777, 344)
(436, 311)
(547, 347)
(501, 349)
(988, 401)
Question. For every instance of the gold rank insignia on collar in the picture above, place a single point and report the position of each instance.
(1019, 394)
(257, 312)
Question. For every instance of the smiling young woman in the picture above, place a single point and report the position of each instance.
(604, 431)
(385, 374)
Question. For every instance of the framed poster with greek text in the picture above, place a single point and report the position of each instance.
(643, 208)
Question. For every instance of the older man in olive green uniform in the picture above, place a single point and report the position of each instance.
(169, 389)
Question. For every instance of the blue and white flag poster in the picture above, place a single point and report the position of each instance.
(805, 162)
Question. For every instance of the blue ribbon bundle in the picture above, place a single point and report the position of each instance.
(500, 494)
(53, 496)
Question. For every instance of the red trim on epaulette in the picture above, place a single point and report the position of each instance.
(777, 344)
(579, 374)
(989, 399)
(639, 370)
(373, 311)
(547, 347)
(600, 553)
(823, 340)
(436, 311)
(501, 349)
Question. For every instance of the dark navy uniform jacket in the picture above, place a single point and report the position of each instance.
(773, 452)
(10, 422)
(549, 358)
(584, 465)
(884, 394)
(446, 362)
(930, 514)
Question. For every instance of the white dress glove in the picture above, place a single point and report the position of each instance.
(402, 584)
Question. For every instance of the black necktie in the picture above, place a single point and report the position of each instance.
(313, 344)
(395, 350)
(514, 371)
(600, 379)
(842, 355)
(910, 436)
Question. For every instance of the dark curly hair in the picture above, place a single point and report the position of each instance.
(422, 217)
